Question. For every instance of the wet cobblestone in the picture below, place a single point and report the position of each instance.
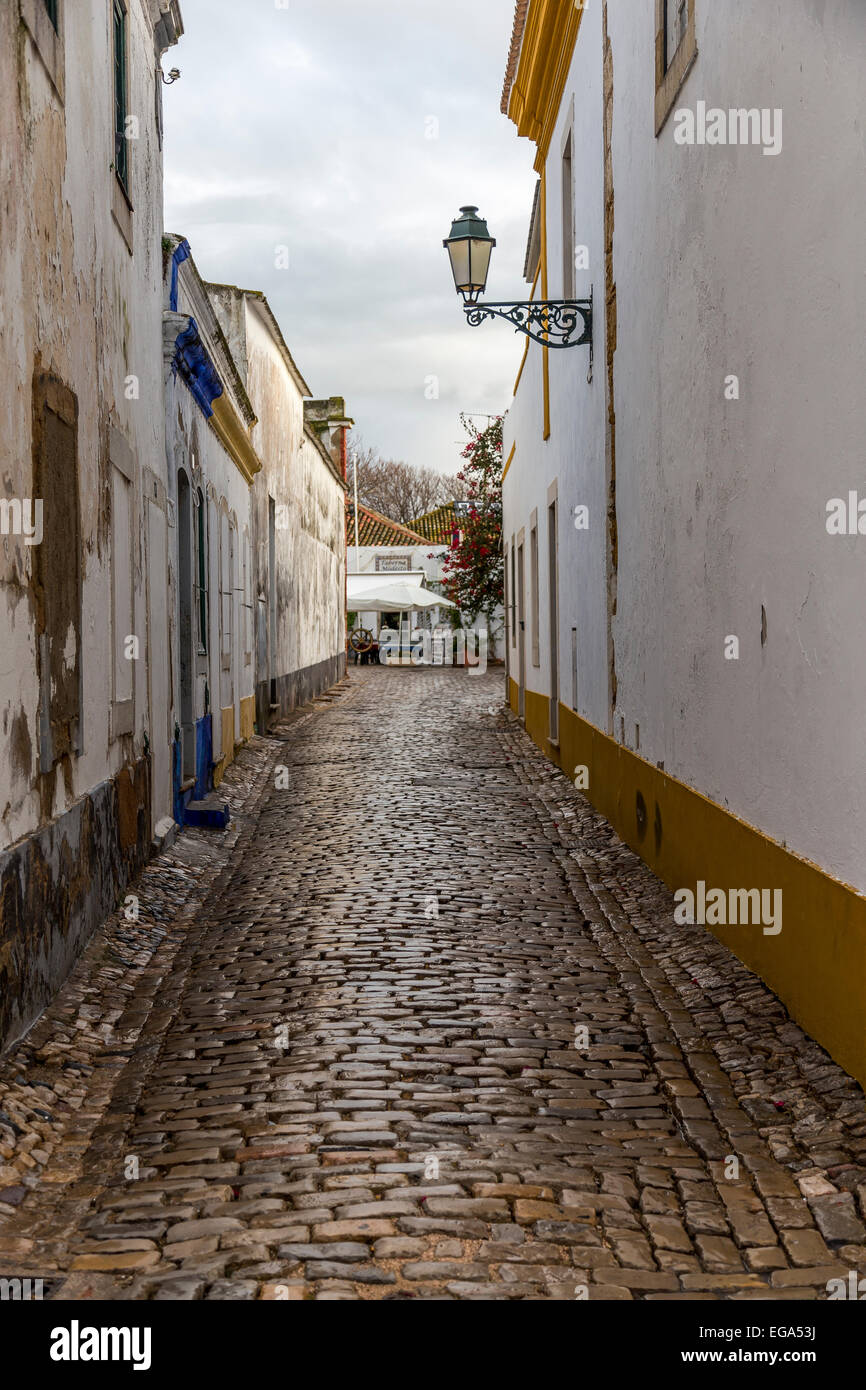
(342, 1051)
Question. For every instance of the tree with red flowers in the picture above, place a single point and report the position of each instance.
(473, 569)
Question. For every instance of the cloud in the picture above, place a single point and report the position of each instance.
(309, 127)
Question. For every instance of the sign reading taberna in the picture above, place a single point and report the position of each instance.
(392, 564)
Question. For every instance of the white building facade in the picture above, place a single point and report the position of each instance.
(81, 449)
(685, 627)
(382, 546)
(386, 547)
(207, 704)
(172, 534)
(299, 512)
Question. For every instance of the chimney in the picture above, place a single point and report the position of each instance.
(328, 419)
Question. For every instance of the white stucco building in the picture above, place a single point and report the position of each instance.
(206, 705)
(299, 516)
(172, 527)
(387, 547)
(682, 625)
(82, 447)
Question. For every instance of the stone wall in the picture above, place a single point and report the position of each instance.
(59, 884)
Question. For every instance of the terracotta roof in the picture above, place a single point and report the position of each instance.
(520, 13)
(438, 526)
(375, 529)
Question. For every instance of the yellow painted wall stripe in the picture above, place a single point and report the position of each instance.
(528, 340)
(248, 717)
(817, 964)
(508, 464)
(522, 364)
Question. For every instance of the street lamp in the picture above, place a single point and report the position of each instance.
(469, 248)
(556, 323)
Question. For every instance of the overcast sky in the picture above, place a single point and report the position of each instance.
(307, 127)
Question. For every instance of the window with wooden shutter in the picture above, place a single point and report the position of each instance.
(676, 51)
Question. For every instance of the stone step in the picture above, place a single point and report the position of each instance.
(209, 813)
(164, 834)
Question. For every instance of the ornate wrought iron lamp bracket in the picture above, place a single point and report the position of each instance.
(554, 323)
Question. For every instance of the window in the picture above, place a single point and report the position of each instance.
(676, 24)
(121, 147)
(553, 597)
(513, 598)
(248, 599)
(521, 619)
(567, 221)
(533, 244)
(506, 601)
(226, 590)
(676, 51)
(157, 104)
(201, 571)
(533, 589)
(43, 20)
(272, 595)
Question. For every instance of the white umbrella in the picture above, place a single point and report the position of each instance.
(383, 594)
(391, 593)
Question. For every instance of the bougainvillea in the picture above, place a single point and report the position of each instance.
(473, 567)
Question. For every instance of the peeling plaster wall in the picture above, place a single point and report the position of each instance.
(725, 261)
(66, 877)
(311, 543)
(77, 305)
(80, 310)
(310, 521)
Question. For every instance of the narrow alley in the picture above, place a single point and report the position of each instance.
(418, 1026)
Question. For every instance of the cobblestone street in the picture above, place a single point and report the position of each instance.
(343, 1047)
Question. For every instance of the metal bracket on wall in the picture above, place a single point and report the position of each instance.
(554, 323)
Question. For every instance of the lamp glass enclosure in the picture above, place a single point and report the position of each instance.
(469, 248)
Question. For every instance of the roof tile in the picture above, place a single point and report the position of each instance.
(375, 529)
